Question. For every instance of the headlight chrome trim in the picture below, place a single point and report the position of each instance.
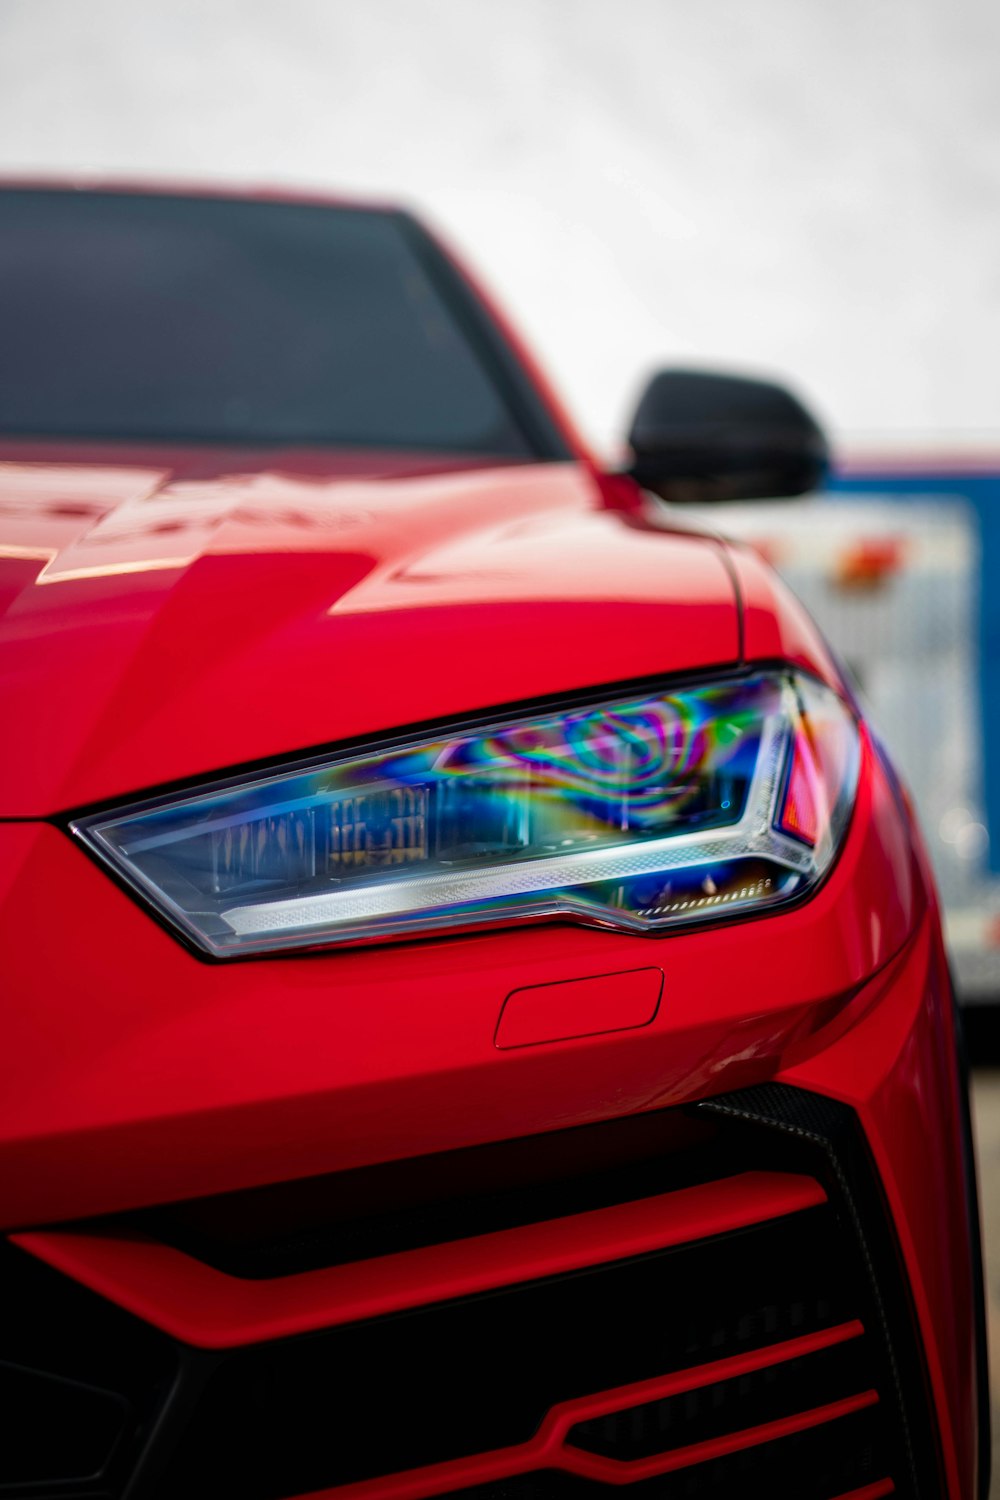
(510, 891)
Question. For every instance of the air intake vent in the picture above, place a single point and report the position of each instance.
(744, 1330)
(463, 1378)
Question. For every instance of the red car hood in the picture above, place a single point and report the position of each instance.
(167, 618)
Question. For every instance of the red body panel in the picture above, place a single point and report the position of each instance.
(895, 1066)
(183, 649)
(171, 615)
(133, 1073)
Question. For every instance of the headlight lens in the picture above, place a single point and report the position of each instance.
(640, 814)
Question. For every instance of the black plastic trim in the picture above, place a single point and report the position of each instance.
(983, 1406)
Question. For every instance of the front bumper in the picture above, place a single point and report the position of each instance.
(489, 1255)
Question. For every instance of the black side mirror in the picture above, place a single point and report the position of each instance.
(698, 436)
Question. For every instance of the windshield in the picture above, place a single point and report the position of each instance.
(160, 318)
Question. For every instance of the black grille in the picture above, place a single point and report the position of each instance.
(727, 1406)
(481, 1373)
(456, 1379)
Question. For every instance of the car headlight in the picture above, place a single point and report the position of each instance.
(641, 813)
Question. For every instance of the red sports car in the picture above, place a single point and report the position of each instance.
(474, 1013)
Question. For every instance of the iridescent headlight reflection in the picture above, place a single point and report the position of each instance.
(643, 813)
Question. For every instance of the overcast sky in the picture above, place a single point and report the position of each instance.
(810, 187)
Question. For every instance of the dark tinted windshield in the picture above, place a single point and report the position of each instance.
(199, 319)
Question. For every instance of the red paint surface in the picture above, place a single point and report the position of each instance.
(775, 626)
(163, 622)
(579, 1007)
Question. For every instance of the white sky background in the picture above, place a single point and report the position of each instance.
(809, 187)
